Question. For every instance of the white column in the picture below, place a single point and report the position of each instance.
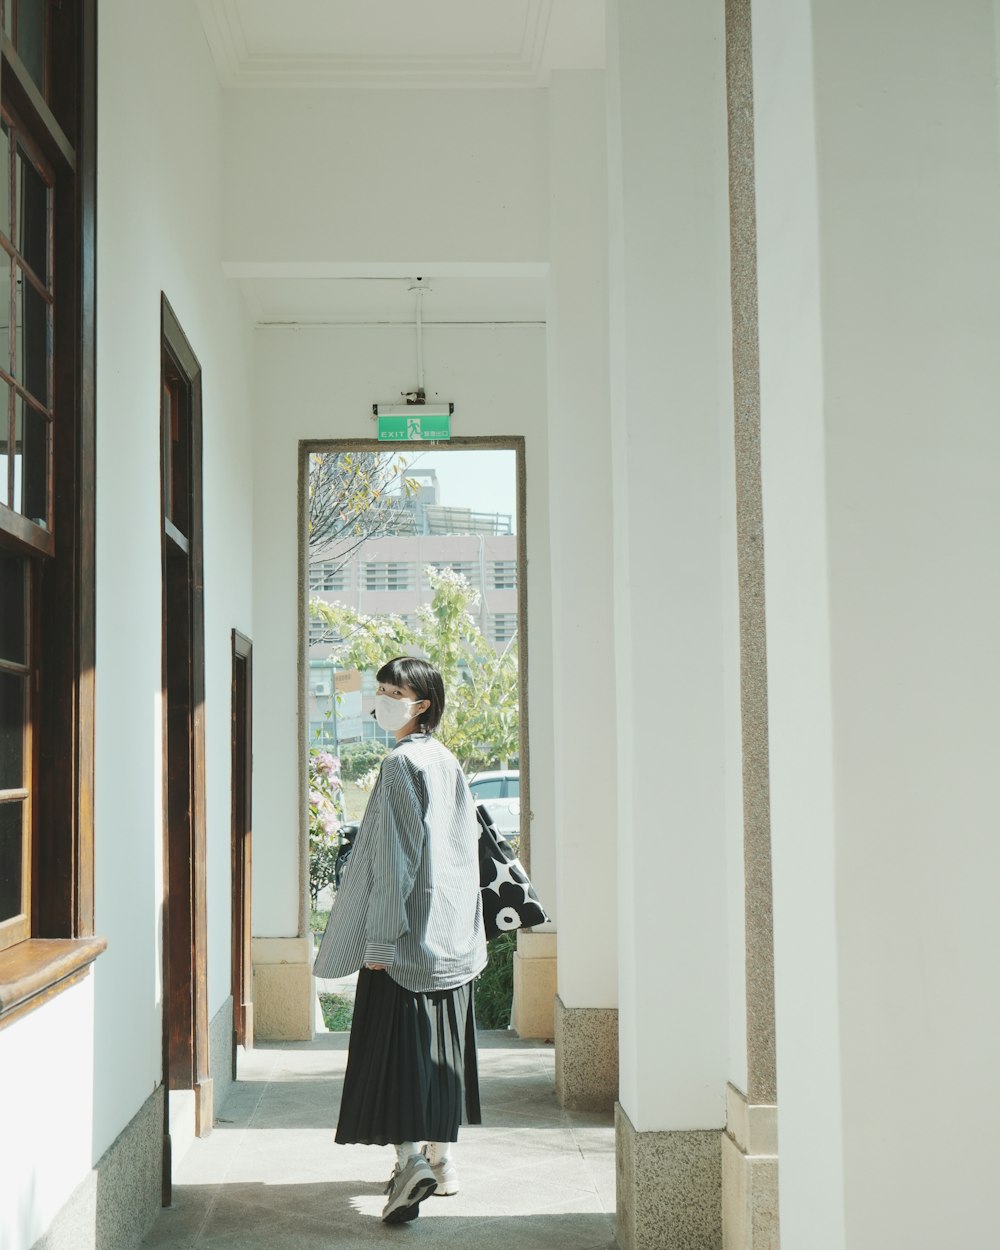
(671, 389)
(583, 682)
(879, 253)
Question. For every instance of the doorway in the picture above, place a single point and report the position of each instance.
(185, 1008)
(242, 876)
(412, 548)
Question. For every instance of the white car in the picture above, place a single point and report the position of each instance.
(500, 794)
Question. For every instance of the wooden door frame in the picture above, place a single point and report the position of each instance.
(185, 919)
(242, 848)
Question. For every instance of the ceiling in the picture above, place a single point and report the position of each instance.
(398, 43)
(353, 301)
(403, 43)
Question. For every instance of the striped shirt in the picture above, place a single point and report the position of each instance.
(410, 897)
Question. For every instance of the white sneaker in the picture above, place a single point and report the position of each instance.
(407, 1188)
(445, 1172)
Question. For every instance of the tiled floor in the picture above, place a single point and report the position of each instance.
(271, 1177)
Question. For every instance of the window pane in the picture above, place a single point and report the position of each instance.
(31, 38)
(513, 787)
(487, 789)
(5, 180)
(4, 443)
(31, 462)
(6, 267)
(11, 816)
(12, 571)
(31, 345)
(11, 731)
(32, 217)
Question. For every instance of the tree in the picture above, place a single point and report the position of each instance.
(480, 723)
(351, 499)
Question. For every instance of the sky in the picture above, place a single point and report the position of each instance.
(483, 480)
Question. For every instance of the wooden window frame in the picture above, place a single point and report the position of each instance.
(63, 127)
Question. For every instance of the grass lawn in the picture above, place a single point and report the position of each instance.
(355, 799)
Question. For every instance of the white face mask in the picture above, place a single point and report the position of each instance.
(393, 714)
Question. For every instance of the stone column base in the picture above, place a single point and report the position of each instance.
(749, 1175)
(283, 990)
(586, 1057)
(534, 985)
(669, 1188)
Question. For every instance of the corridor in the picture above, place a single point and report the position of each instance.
(271, 1177)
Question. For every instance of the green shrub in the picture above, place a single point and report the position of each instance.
(358, 758)
(338, 1011)
(495, 987)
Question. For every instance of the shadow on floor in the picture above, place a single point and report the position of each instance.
(258, 1216)
(271, 1177)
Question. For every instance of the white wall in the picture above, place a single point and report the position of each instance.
(880, 266)
(93, 1055)
(320, 382)
(46, 1091)
(583, 678)
(409, 176)
(671, 402)
(160, 228)
(797, 605)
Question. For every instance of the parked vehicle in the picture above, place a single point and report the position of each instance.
(500, 792)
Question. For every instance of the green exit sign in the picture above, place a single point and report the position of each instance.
(414, 424)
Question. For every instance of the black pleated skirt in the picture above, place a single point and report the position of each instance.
(410, 1059)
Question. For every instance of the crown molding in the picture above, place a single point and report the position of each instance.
(238, 67)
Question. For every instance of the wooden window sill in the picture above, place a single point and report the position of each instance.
(34, 971)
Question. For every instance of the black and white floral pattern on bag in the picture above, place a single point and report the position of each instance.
(509, 898)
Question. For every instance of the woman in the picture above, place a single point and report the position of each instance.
(408, 914)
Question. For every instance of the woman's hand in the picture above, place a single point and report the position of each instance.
(375, 967)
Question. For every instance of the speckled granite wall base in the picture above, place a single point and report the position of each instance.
(586, 1057)
(669, 1188)
(220, 1051)
(749, 1175)
(114, 1207)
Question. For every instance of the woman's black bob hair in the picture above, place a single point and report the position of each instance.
(423, 679)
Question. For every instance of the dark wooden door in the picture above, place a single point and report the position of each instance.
(242, 768)
(185, 924)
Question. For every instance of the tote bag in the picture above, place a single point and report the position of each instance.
(509, 898)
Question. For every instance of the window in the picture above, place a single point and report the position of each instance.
(372, 730)
(319, 631)
(322, 733)
(390, 575)
(329, 575)
(26, 24)
(501, 628)
(469, 569)
(47, 445)
(26, 218)
(490, 789)
(502, 574)
(15, 749)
